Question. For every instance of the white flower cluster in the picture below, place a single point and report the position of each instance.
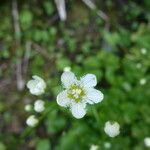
(78, 93)
(36, 87)
(38, 107)
(112, 129)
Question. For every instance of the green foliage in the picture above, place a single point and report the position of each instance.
(43, 144)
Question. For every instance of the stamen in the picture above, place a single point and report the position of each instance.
(76, 93)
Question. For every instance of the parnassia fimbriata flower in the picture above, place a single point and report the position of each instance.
(112, 128)
(78, 93)
(36, 85)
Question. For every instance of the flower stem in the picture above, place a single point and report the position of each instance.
(95, 113)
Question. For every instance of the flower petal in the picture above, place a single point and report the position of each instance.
(68, 78)
(89, 80)
(94, 96)
(62, 99)
(78, 110)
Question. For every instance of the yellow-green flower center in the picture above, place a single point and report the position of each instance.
(76, 92)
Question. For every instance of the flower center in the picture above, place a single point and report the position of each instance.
(76, 93)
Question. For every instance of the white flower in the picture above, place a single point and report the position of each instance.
(143, 51)
(39, 106)
(36, 85)
(94, 147)
(67, 69)
(112, 129)
(78, 93)
(28, 107)
(32, 121)
(107, 145)
(147, 141)
(142, 81)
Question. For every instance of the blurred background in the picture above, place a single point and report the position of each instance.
(110, 39)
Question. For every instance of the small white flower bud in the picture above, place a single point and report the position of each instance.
(28, 107)
(112, 129)
(94, 147)
(139, 65)
(39, 106)
(32, 121)
(142, 81)
(67, 69)
(147, 141)
(107, 145)
(36, 85)
(144, 51)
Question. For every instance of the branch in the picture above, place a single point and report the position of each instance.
(61, 7)
(92, 6)
(15, 15)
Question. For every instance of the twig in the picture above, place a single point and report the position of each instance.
(15, 15)
(42, 51)
(26, 58)
(61, 7)
(92, 6)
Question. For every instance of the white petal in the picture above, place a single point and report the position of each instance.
(78, 110)
(68, 78)
(94, 96)
(89, 80)
(62, 99)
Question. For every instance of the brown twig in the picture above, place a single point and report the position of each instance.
(15, 15)
(92, 6)
(42, 51)
(26, 58)
(61, 7)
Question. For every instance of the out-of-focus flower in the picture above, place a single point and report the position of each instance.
(67, 69)
(39, 105)
(36, 85)
(78, 93)
(94, 147)
(147, 141)
(112, 129)
(143, 81)
(139, 65)
(143, 51)
(28, 107)
(32, 121)
(107, 145)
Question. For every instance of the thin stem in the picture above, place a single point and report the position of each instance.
(95, 113)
